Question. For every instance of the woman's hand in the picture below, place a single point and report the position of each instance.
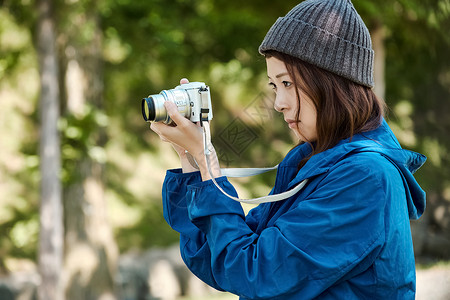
(181, 152)
(186, 136)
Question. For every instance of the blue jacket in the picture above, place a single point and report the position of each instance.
(345, 235)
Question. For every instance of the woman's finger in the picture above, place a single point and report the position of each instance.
(184, 81)
(154, 127)
(186, 134)
(172, 111)
(158, 128)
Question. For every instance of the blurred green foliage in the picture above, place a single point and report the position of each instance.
(148, 46)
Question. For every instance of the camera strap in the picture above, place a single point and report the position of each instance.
(245, 172)
(204, 109)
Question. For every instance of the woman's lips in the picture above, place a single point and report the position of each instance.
(291, 123)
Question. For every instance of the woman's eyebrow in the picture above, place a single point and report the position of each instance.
(282, 74)
(279, 75)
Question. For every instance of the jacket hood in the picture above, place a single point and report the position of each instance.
(381, 140)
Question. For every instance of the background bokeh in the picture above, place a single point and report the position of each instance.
(110, 54)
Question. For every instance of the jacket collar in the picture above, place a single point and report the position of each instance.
(380, 140)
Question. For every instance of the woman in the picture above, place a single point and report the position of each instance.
(346, 234)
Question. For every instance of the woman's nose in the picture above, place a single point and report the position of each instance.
(279, 105)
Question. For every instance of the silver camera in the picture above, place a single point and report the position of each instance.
(192, 99)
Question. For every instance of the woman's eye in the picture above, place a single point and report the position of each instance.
(272, 86)
(287, 83)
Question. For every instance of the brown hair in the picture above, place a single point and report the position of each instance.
(344, 108)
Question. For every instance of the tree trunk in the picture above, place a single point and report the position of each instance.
(51, 218)
(378, 34)
(91, 252)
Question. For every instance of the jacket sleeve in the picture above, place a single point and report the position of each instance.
(193, 244)
(174, 200)
(337, 230)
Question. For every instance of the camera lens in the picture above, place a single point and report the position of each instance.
(153, 109)
(148, 109)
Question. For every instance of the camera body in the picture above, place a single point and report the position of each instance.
(192, 99)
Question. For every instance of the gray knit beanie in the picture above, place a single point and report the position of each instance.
(328, 34)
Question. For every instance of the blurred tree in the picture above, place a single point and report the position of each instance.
(51, 213)
(88, 234)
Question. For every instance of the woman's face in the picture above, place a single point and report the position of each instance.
(286, 101)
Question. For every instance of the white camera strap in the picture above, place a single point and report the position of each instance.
(245, 172)
(204, 109)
